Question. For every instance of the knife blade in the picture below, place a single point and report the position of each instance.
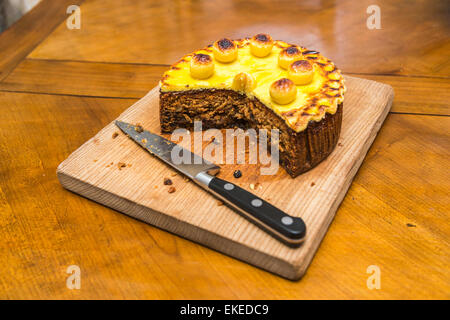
(288, 229)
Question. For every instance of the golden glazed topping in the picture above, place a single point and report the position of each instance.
(225, 50)
(289, 55)
(301, 72)
(261, 45)
(317, 91)
(283, 91)
(244, 82)
(202, 66)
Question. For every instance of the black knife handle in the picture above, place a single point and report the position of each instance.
(290, 230)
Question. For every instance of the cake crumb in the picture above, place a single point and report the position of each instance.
(95, 160)
(219, 203)
(173, 174)
(340, 144)
(139, 128)
(171, 190)
(129, 165)
(313, 184)
(167, 182)
(115, 135)
(410, 225)
(186, 179)
(144, 141)
(121, 165)
(156, 187)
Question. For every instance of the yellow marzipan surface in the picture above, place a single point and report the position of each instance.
(313, 101)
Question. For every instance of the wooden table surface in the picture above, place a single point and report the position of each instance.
(58, 87)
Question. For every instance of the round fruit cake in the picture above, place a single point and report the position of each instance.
(259, 83)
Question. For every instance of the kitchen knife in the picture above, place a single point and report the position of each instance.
(288, 229)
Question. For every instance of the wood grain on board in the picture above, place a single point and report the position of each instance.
(114, 171)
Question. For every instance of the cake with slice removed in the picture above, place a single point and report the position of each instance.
(259, 83)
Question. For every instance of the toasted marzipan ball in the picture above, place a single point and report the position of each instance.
(289, 55)
(202, 66)
(301, 72)
(225, 50)
(244, 82)
(283, 91)
(261, 45)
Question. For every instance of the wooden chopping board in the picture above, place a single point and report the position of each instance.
(137, 189)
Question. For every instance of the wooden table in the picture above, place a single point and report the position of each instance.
(58, 87)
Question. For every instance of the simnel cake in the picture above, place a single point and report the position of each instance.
(259, 83)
